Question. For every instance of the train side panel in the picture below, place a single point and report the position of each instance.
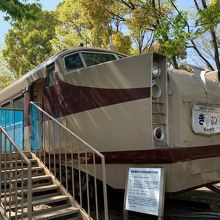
(108, 105)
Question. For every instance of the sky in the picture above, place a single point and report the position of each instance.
(4, 26)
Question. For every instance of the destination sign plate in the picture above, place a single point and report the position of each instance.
(206, 119)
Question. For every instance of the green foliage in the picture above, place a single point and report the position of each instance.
(172, 36)
(122, 43)
(71, 29)
(134, 26)
(28, 42)
(209, 17)
(18, 10)
(83, 21)
(6, 78)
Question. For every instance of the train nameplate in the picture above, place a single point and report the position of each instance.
(206, 119)
(145, 191)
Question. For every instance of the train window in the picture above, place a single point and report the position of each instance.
(120, 56)
(96, 58)
(73, 61)
(18, 102)
(51, 77)
(6, 105)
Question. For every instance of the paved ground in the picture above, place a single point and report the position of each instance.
(200, 204)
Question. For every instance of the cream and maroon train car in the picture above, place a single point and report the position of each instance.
(132, 110)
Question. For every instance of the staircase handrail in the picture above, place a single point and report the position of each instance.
(17, 148)
(28, 162)
(65, 128)
(101, 156)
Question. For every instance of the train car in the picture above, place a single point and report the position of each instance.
(132, 109)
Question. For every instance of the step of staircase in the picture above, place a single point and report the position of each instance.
(37, 211)
(60, 212)
(38, 189)
(20, 170)
(38, 202)
(34, 178)
(56, 214)
(14, 156)
(18, 173)
(34, 185)
(13, 162)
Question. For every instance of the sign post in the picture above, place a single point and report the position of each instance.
(145, 191)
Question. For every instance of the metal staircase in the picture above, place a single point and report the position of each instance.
(46, 183)
(28, 190)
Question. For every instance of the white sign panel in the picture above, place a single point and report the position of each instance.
(145, 191)
(206, 119)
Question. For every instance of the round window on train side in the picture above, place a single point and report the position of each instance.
(158, 134)
(156, 71)
(156, 90)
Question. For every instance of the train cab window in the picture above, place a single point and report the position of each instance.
(96, 58)
(6, 105)
(51, 77)
(73, 61)
(120, 56)
(18, 102)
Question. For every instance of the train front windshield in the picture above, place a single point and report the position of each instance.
(96, 58)
(85, 59)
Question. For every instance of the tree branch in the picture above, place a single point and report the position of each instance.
(201, 56)
(116, 15)
(214, 40)
(129, 5)
(197, 6)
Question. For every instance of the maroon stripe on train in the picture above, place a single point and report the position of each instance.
(162, 156)
(64, 98)
(157, 156)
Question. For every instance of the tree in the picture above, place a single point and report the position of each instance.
(122, 43)
(209, 18)
(161, 25)
(5, 80)
(18, 10)
(71, 29)
(134, 26)
(6, 77)
(191, 32)
(81, 21)
(28, 42)
(145, 21)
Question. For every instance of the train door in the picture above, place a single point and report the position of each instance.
(12, 120)
(36, 138)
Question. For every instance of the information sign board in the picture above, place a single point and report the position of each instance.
(145, 191)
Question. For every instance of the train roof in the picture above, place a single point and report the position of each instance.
(69, 51)
(31, 74)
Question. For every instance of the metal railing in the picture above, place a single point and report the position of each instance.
(78, 166)
(15, 179)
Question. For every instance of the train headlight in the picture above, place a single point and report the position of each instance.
(158, 134)
(156, 71)
(156, 90)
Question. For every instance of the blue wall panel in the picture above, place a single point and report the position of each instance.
(12, 122)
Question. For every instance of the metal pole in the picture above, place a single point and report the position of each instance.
(0, 161)
(29, 195)
(95, 186)
(104, 189)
